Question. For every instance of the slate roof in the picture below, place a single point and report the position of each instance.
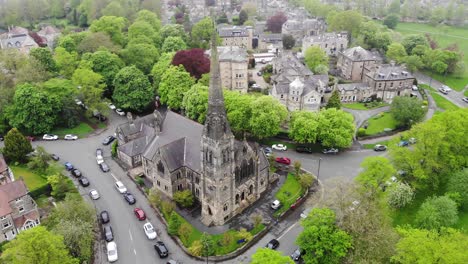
(136, 146)
(325, 37)
(388, 72)
(10, 192)
(225, 31)
(14, 41)
(352, 86)
(360, 54)
(138, 125)
(271, 38)
(232, 53)
(31, 215)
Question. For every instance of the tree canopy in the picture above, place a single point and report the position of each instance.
(266, 255)
(437, 212)
(304, 127)
(111, 25)
(275, 23)
(336, 128)
(201, 33)
(133, 90)
(195, 103)
(16, 146)
(194, 61)
(314, 56)
(175, 82)
(267, 116)
(407, 110)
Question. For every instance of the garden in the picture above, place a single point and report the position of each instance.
(364, 106)
(288, 194)
(382, 122)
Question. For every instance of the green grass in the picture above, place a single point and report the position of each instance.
(378, 123)
(31, 179)
(288, 193)
(361, 106)
(80, 130)
(270, 142)
(466, 93)
(371, 146)
(444, 37)
(443, 103)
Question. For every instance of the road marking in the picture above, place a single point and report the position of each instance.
(130, 233)
(287, 230)
(115, 178)
(134, 251)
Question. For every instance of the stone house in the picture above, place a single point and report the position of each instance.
(354, 92)
(22, 42)
(331, 43)
(241, 36)
(50, 34)
(351, 62)
(18, 211)
(388, 81)
(270, 41)
(300, 29)
(6, 175)
(234, 63)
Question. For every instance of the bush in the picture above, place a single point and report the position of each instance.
(45, 189)
(167, 207)
(114, 149)
(437, 212)
(140, 181)
(174, 224)
(184, 198)
(361, 132)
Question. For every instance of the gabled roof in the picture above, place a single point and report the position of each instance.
(48, 30)
(20, 221)
(387, 72)
(360, 54)
(352, 86)
(225, 31)
(231, 53)
(10, 192)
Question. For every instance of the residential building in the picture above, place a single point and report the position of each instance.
(18, 211)
(300, 29)
(354, 92)
(388, 81)
(270, 41)
(351, 62)
(233, 63)
(22, 42)
(6, 175)
(331, 43)
(50, 34)
(236, 36)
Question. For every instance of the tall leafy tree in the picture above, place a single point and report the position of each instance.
(336, 128)
(195, 103)
(66, 92)
(174, 83)
(173, 44)
(288, 41)
(111, 25)
(160, 67)
(66, 61)
(132, 90)
(391, 21)
(396, 52)
(149, 17)
(44, 57)
(201, 33)
(90, 87)
(143, 56)
(243, 16)
(194, 61)
(95, 41)
(267, 116)
(376, 172)
(304, 127)
(239, 110)
(437, 212)
(334, 101)
(458, 183)
(275, 23)
(174, 30)
(411, 41)
(106, 64)
(349, 20)
(266, 255)
(400, 195)
(315, 56)
(16, 146)
(407, 110)
(141, 28)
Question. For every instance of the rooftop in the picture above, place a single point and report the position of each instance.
(360, 54)
(10, 192)
(389, 72)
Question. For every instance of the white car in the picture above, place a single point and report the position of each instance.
(50, 137)
(445, 89)
(120, 112)
(279, 147)
(99, 159)
(112, 252)
(465, 99)
(305, 213)
(94, 194)
(78, 102)
(149, 231)
(111, 106)
(275, 204)
(255, 86)
(120, 187)
(70, 137)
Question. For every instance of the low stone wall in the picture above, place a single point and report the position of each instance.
(382, 134)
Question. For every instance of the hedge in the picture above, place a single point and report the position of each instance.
(44, 189)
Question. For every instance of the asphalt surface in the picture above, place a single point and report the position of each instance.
(453, 96)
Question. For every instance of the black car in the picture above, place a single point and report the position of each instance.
(161, 249)
(272, 244)
(303, 149)
(108, 140)
(129, 198)
(104, 167)
(84, 181)
(105, 217)
(107, 232)
(54, 157)
(76, 173)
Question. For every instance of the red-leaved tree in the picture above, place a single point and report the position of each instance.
(194, 61)
(275, 23)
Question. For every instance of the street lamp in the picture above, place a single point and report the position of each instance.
(318, 173)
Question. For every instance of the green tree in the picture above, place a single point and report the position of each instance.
(184, 198)
(267, 116)
(107, 65)
(239, 110)
(113, 9)
(243, 16)
(172, 44)
(201, 33)
(334, 101)
(66, 61)
(413, 63)
(184, 232)
(40, 161)
(132, 89)
(61, 186)
(396, 52)
(44, 57)
(160, 67)
(306, 180)
(174, 223)
(111, 25)
(66, 92)
(437, 212)
(458, 183)
(143, 29)
(37, 245)
(196, 248)
(195, 103)
(266, 255)
(288, 41)
(155, 198)
(407, 110)
(322, 240)
(391, 21)
(304, 127)
(208, 245)
(315, 56)
(16, 146)
(411, 41)
(321, 69)
(143, 56)
(336, 128)
(90, 87)
(95, 41)
(431, 246)
(150, 18)
(376, 172)
(174, 30)
(400, 195)
(394, 7)
(175, 82)
(348, 20)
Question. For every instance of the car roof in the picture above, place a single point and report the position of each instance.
(111, 245)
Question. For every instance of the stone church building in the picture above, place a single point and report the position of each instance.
(224, 174)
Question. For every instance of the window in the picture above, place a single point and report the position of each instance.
(197, 192)
(281, 96)
(21, 209)
(237, 198)
(165, 187)
(178, 175)
(158, 183)
(3, 218)
(225, 207)
(391, 84)
(197, 180)
(160, 167)
(6, 225)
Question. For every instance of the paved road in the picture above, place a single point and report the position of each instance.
(454, 96)
(360, 116)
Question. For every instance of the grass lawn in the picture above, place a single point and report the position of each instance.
(466, 93)
(361, 106)
(371, 146)
(379, 122)
(80, 130)
(31, 179)
(444, 36)
(443, 103)
(288, 193)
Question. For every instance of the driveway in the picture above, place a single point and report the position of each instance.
(453, 96)
(360, 116)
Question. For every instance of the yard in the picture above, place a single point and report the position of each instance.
(378, 123)
(31, 179)
(363, 106)
(288, 193)
(80, 130)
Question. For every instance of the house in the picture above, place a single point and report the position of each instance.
(270, 41)
(354, 92)
(331, 43)
(236, 36)
(50, 34)
(351, 62)
(224, 174)
(18, 211)
(388, 81)
(6, 175)
(22, 42)
(233, 63)
(300, 29)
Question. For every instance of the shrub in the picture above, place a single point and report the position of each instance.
(174, 224)
(196, 248)
(167, 207)
(140, 181)
(437, 212)
(361, 132)
(184, 198)
(114, 149)
(244, 234)
(45, 189)
(184, 232)
(228, 237)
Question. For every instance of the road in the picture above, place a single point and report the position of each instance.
(453, 96)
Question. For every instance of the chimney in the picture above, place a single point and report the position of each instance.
(130, 118)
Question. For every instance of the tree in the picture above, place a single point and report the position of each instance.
(391, 21)
(304, 127)
(33, 110)
(288, 41)
(61, 186)
(111, 25)
(275, 23)
(306, 180)
(66, 61)
(431, 246)
(132, 89)
(349, 20)
(154, 197)
(244, 234)
(411, 41)
(336, 128)
(195, 103)
(394, 7)
(160, 67)
(143, 29)
(175, 82)
(184, 232)
(202, 32)
(314, 56)
(377, 171)
(173, 44)
(413, 63)
(107, 65)
(143, 56)
(267, 116)
(297, 168)
(91, 87)
(243, 16)
(322, 240)
(407, 110)
(16, 146)
(257, 219)
(196, 248)
(39, 162)
(44, 57)
(458, 183)
(374, 36)
(321, 69)
(239, 110)
(93, 42)
(194, 61)
(208, 245)
(396, 52)
(167, 206)
(266, 255)
(150, 18)
(66, 92)
(334, 101)
(437, 212)
(174, 30)
(174, 224)
(37, 245)
(400, 195)
(227, 239)
(184, 198)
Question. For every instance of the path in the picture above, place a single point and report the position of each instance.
(454, 96)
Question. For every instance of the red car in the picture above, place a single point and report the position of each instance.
(140, 214)
(283, 160)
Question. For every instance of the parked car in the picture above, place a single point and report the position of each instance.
(108, 140)
(120, 112)
(379, 147)
(465, 99)
(104, 167)
(283, 160)
(171, 261)
(111, 106)
(112, 255)
(104, 215)
(99, 152)
(107, 232)
(94, 194)
(273, 244)
(55, 157)
(120, 187)
(49, 137)
(255, 86)
(306, 212)
(304, 149)
(76, 173)
(68, 166)
(279, 147)
(70, 137)
(259, 73)
(412, 140)
(129, 198)
(161, 249)
(330, 151)
(445, 89)
(275, 204)
(84, 181)
(149, 231)
(99, 116)
(296, 255)
(267, 150)
(403, 143)
(139, 213)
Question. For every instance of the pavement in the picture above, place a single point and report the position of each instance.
(453, 96)
(360, 116)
